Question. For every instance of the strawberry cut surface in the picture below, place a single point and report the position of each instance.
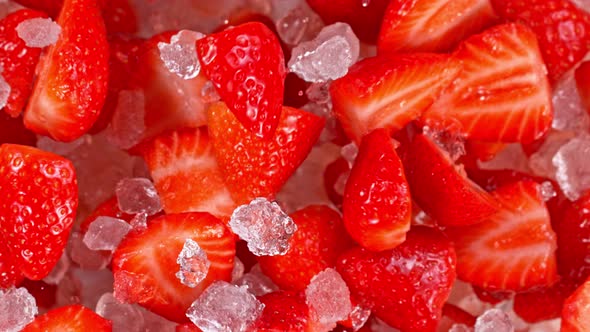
(72, 318)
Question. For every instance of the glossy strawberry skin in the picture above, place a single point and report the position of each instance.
(575, 316)
(543, 304)
(72, 318)
(582, 75)
(573, 236)
(406, 287)
(51, 7)
(10, 274)
(283, 311)
(37, 213)
(247, 67)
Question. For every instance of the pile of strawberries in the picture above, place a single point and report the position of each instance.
(479, 72)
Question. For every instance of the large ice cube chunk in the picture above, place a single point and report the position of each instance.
(328, 298)
(17, 309)
(193, 262)
(137, 195)
(38, 32)
(493, 320)
(573, 169)
(105, 233)
(180, 55)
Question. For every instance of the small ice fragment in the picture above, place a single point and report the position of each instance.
(328, 56)
(541, 162)
(328, 298)
(238, 271)
(17, 309)
(125, 317)
(569, 112)
(493, 320)
(180, 55)
(59, 270)
(264, 226)
(512, 156)
(453, 144)
(105, 233)
(194, 264)
(257, 282)
(340, 184)
(137, 195)
(224, 307)
(4, 91)
(84, 256)
(460, 328)
(128, 124)
(573, 169)
(546, 190)
(319, 93)
(209, 93)
(349, 152)
(38, 32)
(139, 221)
(298, 24)
(359, 316)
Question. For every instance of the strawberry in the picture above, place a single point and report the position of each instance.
(502, 95)
(543, 304)
(247, 67)
(562, 29)
(17, 60)
(40, 197)
(389, 91)
(186, 173)
(51, 7)
(108, 208)
(405, 287)
(575, 316)
(377, 206)
(491, 297)
(72, 318)
(364, 17)
(72, 76)
(582, 75)
(10, 274)
(255, 167)
(119, 16)
(145, 265)
(458, 315)
(441, 188)
(283, 311)
(332, 175)
(511, 250)
(319, 239)
(432, 26)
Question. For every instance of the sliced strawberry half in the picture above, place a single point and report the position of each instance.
(247, 67)
(575, 316)
(51, 7)
(255, 167)
(442, 188)
(582, 75)
(72, 84)
(283, 311)
(377, 206)
(503, 94)
(432, 26)
(40, 198)
(513, 249)
(186, 174)
(389, 91)
(145, 265)
(543, 304)
(72, 318)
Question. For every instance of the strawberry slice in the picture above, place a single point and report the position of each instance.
(17, 60)
(40, 197)
(145, 265)
(405, 287)
(51, 7)
(562, 29)
(575, 316)
(185, 172)
(255, 167)
(73, 75)
(247, 67)
(377, 206)
(432, 26)
(582, 75)
(503, 94)
(389, 91)
(543, 304)
(314, 247)
(513, 249)
(283, 311)
(441, 188)
(72, 318)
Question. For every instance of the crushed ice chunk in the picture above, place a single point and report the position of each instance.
(137, 195)
(512, 156)
(298, 23)
(125, 317)
(460, 328)
(569, 112)
(17, 309)
(349, 153)
(257, 282)
(59, 270)
(209, 93)
(328, 298)
(573, 169)
(194, 264)
(453, 144)
(546, 190)
(328, 56)
(84, 256)
(319, 93)
(238, 271)
(180, 55)
(4, 91)
(541, 162)
(340, 184)
(105, 233)
(127, 125)
(264, 226)
(139, 221)
(493, 320)
(38, 32)
(359, 316)
(224, 307)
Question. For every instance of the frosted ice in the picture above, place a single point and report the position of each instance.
(127, 126)
(17, 309)
(512, 156)
(359, 316)
(224, 307)
(340, 184)
(4, 92)
(105, 233)
(125, 317)
(297, 24)
(568, 111)
(180, 55)
(92, 285)
(328, 56)
(453, 144)
(349, 152)
(238, 271)
(460, 328)
(59, 270)
(264, 226)
(84, 256)
(573, 169)
(139, 221)
(257, 282)
(541, 162)
(38, 32)
(546, 190)
(136, 195)
(193, 262)
(319, 93)
(328, 298)
(493, 320)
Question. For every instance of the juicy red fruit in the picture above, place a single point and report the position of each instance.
(247, 67)
(72, 318)
(283, 311)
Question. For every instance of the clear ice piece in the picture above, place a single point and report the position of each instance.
(238, 271)
(17, 309)
(59, 270)
(328, 298)
(568, 111)
(38, 32)
(328, 56)
(125, 317)
(573, 169)
(493, 320)
(512, 156)
(224, 307)
(137, 195)
(105, 233)
(359, 316)
(180, 55)
(460, 328)
(264, 226)
(139, 221)
(349, 153)
(127, 126)
(84, 256)
(194, 264)
(453, 144)
(257, 282)
(5, 90)
(298, 23)
(541, 162)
